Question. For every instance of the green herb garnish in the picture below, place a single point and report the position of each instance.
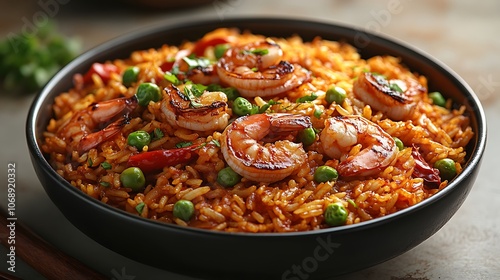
(307, 98)
(395, 87)
(266, 106)
(156, 134)
(192, 92)
(139, 207)
(194, 62)
(256, 51)
(171, 78)
(215, 142)
(350, 201)
(106, 165)
(183, 144)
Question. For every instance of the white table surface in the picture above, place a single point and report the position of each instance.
(465, 35)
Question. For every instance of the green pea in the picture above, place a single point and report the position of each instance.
(335, 94)
(399, 143)
(130, 76)
(148, 92)
(335, 214)
(437, 98)
(325, 173)
(227, 177)
(242, 107)
(317, 113)
(139, 139)
(307, 136)
(133, 178)
(446, 167)
(183, 209)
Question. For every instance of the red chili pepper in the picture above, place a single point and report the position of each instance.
(103, 70)
(156, 160)
(424, 170)
(167, 66)
(199, 48)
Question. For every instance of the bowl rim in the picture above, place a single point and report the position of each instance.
(40, 98)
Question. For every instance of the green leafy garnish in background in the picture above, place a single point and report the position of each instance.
(29, 60)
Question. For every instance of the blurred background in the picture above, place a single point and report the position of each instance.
(462, 34)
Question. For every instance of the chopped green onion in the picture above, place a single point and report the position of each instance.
(220, 49)
(192, 92)
(255, 109)
(199, 89)
(378, 75)
(256, 51)
(395, 87)
(307, 98)
(106, 165)
(215, 142)
(105, 184)
(194, 62)
(266, 106)
(139, 207)
(352, 202)
(171, 78)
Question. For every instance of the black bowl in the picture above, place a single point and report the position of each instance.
(211, 254)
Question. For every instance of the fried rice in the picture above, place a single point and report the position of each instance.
(295, 203)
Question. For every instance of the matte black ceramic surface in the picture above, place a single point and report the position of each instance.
(303, 255)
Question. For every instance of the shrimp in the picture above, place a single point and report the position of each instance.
(256, 69)
(203, 113)
(244, 152)
(198, 70)
(395, 98)
(342, 133)
(203, 75)
(87, 128)
(201, 70)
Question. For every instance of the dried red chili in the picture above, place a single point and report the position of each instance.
(424, 170)
(156, 160)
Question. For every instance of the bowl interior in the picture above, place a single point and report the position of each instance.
(441, 79)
